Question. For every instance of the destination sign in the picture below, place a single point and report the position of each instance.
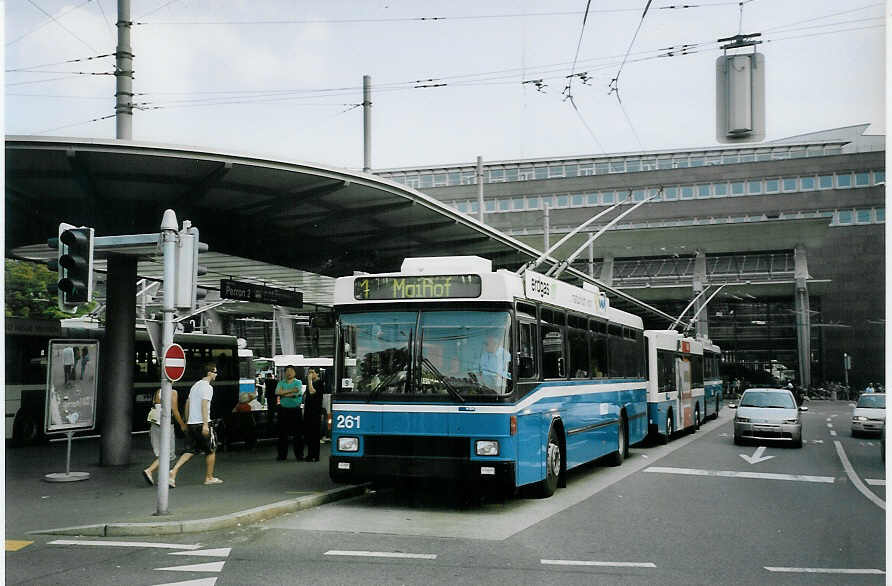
(230, 289)
(417, 287)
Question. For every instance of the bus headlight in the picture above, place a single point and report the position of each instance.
(348, 444)
(486, 447)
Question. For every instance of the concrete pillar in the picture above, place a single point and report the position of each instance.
(699, 278)
(607, 269)
(546, 228)
(803, 315)
(118, 349)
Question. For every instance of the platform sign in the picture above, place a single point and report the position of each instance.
(71, 385)
(174, 362)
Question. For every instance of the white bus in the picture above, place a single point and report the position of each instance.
(675, 391)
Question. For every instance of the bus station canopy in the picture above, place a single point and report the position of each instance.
(285, 224)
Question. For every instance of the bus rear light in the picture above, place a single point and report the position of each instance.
(513, 425)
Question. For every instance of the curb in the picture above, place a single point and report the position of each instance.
(247, 516)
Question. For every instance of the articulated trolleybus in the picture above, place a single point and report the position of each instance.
(448, 370)
(683, 386)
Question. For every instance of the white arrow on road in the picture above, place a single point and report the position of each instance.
(757, 456)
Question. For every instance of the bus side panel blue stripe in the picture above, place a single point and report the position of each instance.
(531, 436)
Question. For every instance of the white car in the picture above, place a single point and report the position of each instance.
(870, 414)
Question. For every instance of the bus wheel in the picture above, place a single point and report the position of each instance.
(622, 445)
(552, 465)
(697, 418)
(670, 427)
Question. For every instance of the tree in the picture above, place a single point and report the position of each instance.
(27, 295)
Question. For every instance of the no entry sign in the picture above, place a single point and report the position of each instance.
(174, 362)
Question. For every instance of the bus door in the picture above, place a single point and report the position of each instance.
(685, 394)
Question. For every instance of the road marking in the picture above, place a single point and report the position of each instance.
(757, 456)
(850, 472)
(383, 554)
(830, 425)
(16, 544)
(832, 433)
(834, 415)
(829, 420)
(124, 544)
(817, 441)
(875, 481)
(826, 570)
(199, 582)
(206, 567)
(599, 564)
(220, 552)
(732, 474)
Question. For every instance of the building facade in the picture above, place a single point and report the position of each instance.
(788, 234)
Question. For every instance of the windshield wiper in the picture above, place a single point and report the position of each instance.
(426, 362)
(384, 383)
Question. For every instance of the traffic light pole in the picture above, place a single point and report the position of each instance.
(169, 249)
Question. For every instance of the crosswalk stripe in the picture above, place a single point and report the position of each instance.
(220, 552)
(207, 567)
(383, 554)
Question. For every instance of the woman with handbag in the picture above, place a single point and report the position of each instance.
(154, 419)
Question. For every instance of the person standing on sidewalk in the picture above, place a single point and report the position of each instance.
(199, 435)
(155, 430)
(290, 393)
(312, 415)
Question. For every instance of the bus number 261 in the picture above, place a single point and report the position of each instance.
(347, 422)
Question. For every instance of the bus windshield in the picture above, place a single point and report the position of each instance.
(436, 354)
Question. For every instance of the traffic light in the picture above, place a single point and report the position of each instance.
(74, 264)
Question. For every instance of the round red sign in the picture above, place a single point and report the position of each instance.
(174, 362)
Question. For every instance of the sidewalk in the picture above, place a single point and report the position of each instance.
(118, 501)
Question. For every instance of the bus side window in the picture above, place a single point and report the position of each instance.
(552, 336)
(526, 356)
(665, 371)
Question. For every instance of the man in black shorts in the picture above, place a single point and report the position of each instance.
(199, 435)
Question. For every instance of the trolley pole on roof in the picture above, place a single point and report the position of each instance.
(366, 123)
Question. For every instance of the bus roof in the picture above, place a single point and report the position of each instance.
(299, 360)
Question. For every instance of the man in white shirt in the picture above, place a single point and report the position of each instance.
(68, 363)
(199, 435)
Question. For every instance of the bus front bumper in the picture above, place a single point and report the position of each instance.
(353, 470)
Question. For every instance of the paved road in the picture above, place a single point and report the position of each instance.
(692, 512)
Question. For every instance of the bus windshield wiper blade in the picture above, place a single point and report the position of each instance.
(374, 392)
(442, 379)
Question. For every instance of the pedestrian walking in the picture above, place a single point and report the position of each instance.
(68, 363)
(199, 434)
(290, 394)
(85, 358)
(154, 419)
(312, 414)
(77, 358)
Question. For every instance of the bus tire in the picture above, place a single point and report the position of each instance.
(552, 465)
(622, 444)
(25, 430)
(697, 418)
(670, 427)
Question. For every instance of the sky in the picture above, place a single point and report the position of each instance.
(283, 78)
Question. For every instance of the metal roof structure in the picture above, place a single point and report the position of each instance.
(286, 224)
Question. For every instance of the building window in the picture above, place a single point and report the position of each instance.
(453, 178)
(556, 171)
(638, 195)
(862, 216)
(511, 174)
(737, 188)
(720, 189)
(763, 155)
(548, 200)
(504, 205)
(541, 172)
(687, 192)
(623, 195)
(569, 170)
(607, 197)
(730, 158)
(670, 193)
(835, 150)
(797, 153)
(703, 190)
(697, 161)
(586, 170)
(778, 154)
(617, 166)
(427, 180)
(664, 163)
(844, 217)
(526, 173)
(680, 163)
(533, 203)
(879, 176)
(490, 205)
(563, 201)
(440, 180)
(654, 193)
(825, 181)
(806, 183)
(592, 199)
(648, 164)
(881, 214)
(862, 179)
(462, 207)
(789, 184)
(577, 200)
(602, 168)
(815, 151)
(747, 157)
(772, 185)
(517, 203)
(844, 180)
(633, 165)
(713, 160)
(475, 207)
(754, 187)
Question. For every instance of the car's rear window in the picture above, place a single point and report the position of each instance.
(768, 399)
(872, 401)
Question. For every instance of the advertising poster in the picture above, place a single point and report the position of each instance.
(71, 386)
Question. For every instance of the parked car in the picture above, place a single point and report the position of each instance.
(869, 415)
(768, 414)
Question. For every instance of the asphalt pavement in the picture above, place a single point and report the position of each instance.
(118, 500)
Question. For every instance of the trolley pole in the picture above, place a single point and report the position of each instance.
(169, 248)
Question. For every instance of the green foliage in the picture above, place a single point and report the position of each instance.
(26, 292)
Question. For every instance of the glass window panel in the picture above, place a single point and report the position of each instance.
(469, 178)
(806, 183)
(720, 189)
(548, 200)
(617, 166)
(427, 180)
(440, 179)
(541, 173)
(845, 216)
(844, 180)
(569, 170)
(730, 158)
(526, 173)
(602, 168)
(532, 203)
(490, 205)
(638, 195)
(862, 216)
(862, 179)
(881, 214)
(681, 163)
(754, 187)
(697, 161)
(607, 197)
(633, 165)
(655, 193)
(713, 160)
(703, 190)
(664, 163)
(475, 207)
(737, 188)
(496, 175)
(510, 174)
(455, 178)
(556, 171)
(622, 195)
(879, 176)
(797, 153)
(772, 185)
(779, 154)
(578, 199)
(649, 164)
(563, 201)
(586, 169)
(825, 181)
(815, 151)
(687, 191)
(462, 206)
(833, 150)
(763, 156)
(789, 184)
(504, 205)
(517, 203)
(670, 193)
(747, 157)
(593, 199)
